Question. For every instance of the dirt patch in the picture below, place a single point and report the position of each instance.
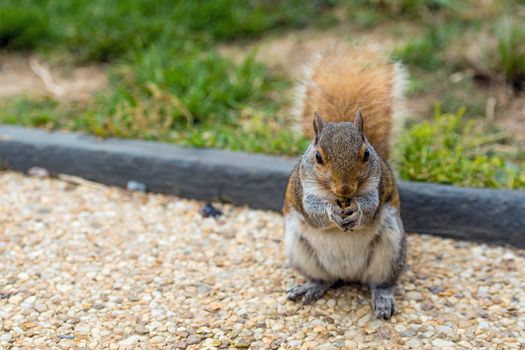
(24, 75)
(511, 116)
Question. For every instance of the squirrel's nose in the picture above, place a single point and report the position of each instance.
(343, 191)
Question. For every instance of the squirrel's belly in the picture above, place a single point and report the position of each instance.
(327, 254)
(343, 254)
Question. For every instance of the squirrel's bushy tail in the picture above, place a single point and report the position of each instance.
(341, 80)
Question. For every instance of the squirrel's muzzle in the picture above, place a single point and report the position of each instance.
(344, 191)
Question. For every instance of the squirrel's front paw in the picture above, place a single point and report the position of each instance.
(346, 218)
(335, 215)
(350, 221)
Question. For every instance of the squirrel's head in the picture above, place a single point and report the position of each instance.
(340, 157)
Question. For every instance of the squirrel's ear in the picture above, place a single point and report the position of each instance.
(359, 122)
(318, 126)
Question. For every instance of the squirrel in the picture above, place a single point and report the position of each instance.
(342, 206)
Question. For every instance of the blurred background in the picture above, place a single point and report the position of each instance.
(220, 74)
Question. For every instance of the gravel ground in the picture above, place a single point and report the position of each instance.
(88, 266)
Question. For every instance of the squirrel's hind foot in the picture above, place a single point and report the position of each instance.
(383, 301)
(310, 292)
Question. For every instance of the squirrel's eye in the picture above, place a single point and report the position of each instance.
(318, 158)
(365, 157)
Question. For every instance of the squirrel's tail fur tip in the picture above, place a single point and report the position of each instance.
(399, 90)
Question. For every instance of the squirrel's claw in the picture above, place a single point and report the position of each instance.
(345, 219)
(347, 212)
(309, 292)
(349, 222)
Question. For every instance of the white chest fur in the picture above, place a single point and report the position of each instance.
(331, 254)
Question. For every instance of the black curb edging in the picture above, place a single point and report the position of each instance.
(492, 216)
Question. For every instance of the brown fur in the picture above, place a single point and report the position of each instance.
(294, 193)
(388, 192)
(344, 80)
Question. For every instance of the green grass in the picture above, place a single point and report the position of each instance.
(495, 53)
(257, 130)
(450, 150)
(428, 51)
(188, 86)
(21, 29)
(37, 113)
(510, 34)
(104, 30)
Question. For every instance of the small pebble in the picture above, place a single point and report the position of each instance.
(74, 320)
(193, 339)
(203, 289)
(375, 324)
(132, 340)
(6, 338)
(484, 325)
(136, 186)
(181, 345)
(66, 336)
(157, 339)
(444, 329)
(426, 306)
(133, 298)
(414, 344)
(400, 328)
(40, 307)
(241, 344)
(407, 333)
(38, 172)
(435, 289)
(141, 330)
(276, 344)
(414, 296)
(443, 343)
(28, 303)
